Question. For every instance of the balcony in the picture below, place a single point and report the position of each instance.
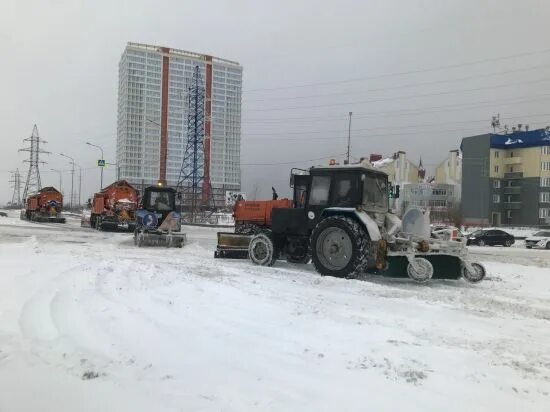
(512, 205)
(513, 190)
(512, 160)
(513, 175)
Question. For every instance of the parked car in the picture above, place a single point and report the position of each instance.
(539, 239)
(447, 233)
(490, 237)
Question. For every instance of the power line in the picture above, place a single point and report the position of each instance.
(429, 109)
(409, 85)
(426, 70)
(384, 99)
(264, 140)
(290, 163)
(391, 127)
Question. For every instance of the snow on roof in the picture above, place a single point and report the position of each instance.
(513, 141)
(382, 162)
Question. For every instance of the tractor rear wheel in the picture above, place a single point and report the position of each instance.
(261, 249)
(339, 247)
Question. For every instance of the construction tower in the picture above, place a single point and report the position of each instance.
(16, 184)
(33, 183)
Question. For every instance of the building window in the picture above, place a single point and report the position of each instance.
(545, 165)
(544, 212)
(545, 182)
(509, 214)
(511, 154)
(545, 150)
(496, 198)
(496, 169)
(545, 197)
(496, 184)
(497, 154)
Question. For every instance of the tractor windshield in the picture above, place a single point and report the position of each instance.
(375, 192)
(162, 201)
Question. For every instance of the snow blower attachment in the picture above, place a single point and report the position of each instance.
(44, 206)
(158, 224)
(340, 218)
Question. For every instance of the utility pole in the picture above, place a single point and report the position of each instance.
(349, 136)
(72, 176)
(102, 159)
(33, 183)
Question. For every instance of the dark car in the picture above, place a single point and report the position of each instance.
(490, 237)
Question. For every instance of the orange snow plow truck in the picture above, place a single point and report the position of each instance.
(115, 207)
(44, 206)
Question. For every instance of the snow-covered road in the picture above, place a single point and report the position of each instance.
(89, 322)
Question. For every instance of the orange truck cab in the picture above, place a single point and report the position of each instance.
(45, 205)
(115, 207)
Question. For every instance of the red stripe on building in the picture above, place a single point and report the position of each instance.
(164, 116)
(207, 130)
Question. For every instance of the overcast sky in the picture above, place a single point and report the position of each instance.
(417, 75)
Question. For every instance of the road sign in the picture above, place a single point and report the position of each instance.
(101, 163)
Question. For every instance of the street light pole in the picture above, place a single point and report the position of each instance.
(79, 184)
(102, 158)
(60, 180)
(72, 176)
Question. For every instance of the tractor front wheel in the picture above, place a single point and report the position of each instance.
(261, 249)
(339, 247)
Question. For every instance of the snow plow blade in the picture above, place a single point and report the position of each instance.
(47, 219)
(155, 238)
(232, 245)
(444, 266)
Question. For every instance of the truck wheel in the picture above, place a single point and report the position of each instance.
(476, 276)
(339, 247)
(261, 250)
(420, 269)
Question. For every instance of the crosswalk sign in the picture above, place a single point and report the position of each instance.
(101, 163)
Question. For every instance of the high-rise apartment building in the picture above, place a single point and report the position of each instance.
(506, 179)
(153, 92)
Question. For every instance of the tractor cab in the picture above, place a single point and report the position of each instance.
(158, 223)
(161, 200)
(321, 191)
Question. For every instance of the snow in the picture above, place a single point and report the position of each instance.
(510, 141)
(175, 329)
(383, 162)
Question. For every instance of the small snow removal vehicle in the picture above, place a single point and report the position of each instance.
(44, 206)
(340, 218)
(158, 223)
(114, 207)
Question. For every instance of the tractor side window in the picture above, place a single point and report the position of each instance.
(345, 191)
(320, 188)
(300, 196)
